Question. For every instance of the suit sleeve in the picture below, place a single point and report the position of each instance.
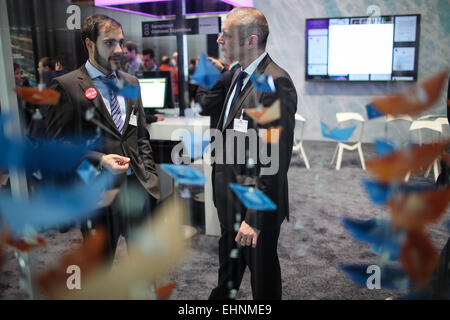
(212, 100)
(272, 185)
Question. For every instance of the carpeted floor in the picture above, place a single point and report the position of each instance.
(311, 246)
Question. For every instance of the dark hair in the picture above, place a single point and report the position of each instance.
(16, 66)
(130, 45)
(165, 60)
(48, 62)
(149, 52)
(92, 24)
(62, 59)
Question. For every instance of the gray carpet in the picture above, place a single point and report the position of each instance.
(311, 246)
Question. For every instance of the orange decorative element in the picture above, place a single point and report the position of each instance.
(271, 135)
(416, 209)
(164, 292)
(87, 257)
(23, 245)
(414, 101)
(35, 96)
(265, 115)
(395, 166)
(419, 257)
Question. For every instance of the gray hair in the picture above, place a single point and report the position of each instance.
(251, 21)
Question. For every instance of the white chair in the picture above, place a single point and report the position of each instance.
(434, 126)
(298, 144)
(341, 146)
(391, 119)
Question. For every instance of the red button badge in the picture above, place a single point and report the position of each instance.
(91, 93)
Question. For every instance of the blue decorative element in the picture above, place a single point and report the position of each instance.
(386, 252)
(87, 172)
(373, 112)
(379, 193)
(377, 232)
(390, 277)
(263, 83)
(124, 89)
(205, 73)
(184, 174)
(194, 144)
(47, 156)
(337, 133)
(253, 198)
(53, 206)
(384, 147)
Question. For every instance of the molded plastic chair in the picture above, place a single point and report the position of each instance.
(435, 126)
(298, 144)
(341, 146)
(390, 119)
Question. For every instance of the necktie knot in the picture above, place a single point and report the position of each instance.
(242, 75)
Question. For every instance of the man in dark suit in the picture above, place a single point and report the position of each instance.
(253, 233)
(88, 109)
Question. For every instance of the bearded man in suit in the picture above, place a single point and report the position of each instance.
(249, 237)
(89, 109)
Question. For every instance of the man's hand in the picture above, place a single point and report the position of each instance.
(159, 116)
(217, 63)
(247, 236)
(115, 164)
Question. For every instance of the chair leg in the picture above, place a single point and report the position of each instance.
(361, 157)
(436, 169)
(407, 176)
(305, 159)
(334, 155)
(339, 157)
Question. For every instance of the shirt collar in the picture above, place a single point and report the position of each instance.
(94, 72)
(252, 67)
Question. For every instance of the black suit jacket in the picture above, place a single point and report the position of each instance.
(212, 100)
(274, 186)
(68, 120)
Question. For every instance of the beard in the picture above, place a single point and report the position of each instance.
(107, 64)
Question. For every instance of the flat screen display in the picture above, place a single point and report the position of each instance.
(384, 48)
(153, 92)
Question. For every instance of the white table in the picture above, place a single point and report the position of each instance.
(164, 130)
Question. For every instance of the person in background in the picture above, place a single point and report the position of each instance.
(148, 61)
(46, 66)
(132, 63)
(165, 66)
(174, 61)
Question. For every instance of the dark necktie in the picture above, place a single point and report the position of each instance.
(116, 115)
(239, 83)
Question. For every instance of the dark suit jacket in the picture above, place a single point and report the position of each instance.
(212, 100)
(274, 186)
(67, 120)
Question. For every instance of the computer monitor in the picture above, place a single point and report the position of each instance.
(156, 90)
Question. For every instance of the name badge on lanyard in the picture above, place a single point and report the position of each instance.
(240, 124)
(133, 118)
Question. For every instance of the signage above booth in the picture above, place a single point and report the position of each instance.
(210, 25)
(167, 8)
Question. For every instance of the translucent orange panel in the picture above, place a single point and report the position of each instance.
(265, 115)
(413, 101)
(22, 244)
(87, 256)
(35, 96)
(164, 292)
(419, 257)
(395, 166)
(416, 209)
(271, 135)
